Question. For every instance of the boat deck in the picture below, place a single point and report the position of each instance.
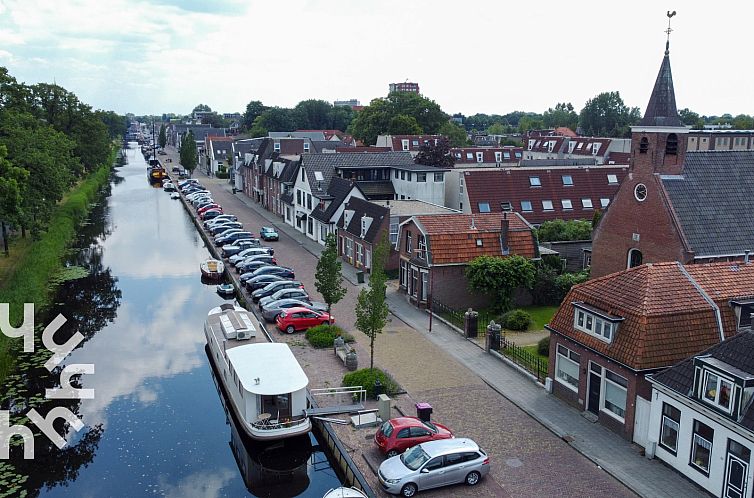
(233, 319)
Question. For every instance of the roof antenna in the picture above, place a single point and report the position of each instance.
(668, 31)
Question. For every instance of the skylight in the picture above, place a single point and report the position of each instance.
(318, 176)
(534, 181)
(484, 207)
(567, 180)
(612, 179)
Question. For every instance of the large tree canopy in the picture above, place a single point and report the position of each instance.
(562, 115)
(607, 116)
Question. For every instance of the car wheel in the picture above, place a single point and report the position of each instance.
(473, 478)
(290, 329)
(408, 490)
(392, 453)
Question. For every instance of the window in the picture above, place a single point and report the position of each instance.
(415, 143)
(586, 203)
(484, 207)
(643, 145)
(745, 310)
(303, 175)
(604, 202)
(498, 157)
(701, 447)
(393, 230)
(671, 422)
(671, 145)
(276, 147)
(310, 226)
(507, 155)
(306, 146)
(518, 154)
(308, 201)
(534, 181)
(470, 156)
(594, 325)
(360, 253)
(322, 232)
(396, 174)
(422, 248)
(439, 177)
(506, 206)
(408, 242)
(567, 180)
(298, 197)
(615, 394)
(717, 390)
(349, 248)
(480, 157)
(634, 258)
(403, 175)
(421, 177)
(612, 179)
(404, 144)
(404, 274)
(567, 367)
(547, 205)
(526, 206)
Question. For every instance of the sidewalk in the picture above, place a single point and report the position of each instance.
(615, 455)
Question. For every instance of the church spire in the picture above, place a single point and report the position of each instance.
(661, 110)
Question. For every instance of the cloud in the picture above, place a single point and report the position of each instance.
(202, 484)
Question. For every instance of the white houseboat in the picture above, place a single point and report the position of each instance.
(266, 386)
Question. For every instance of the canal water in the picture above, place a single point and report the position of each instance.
(157, 425)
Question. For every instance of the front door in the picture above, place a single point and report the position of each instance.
(595, 387)
(736, 470)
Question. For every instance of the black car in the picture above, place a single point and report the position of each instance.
(253, 283)
(275, 270)
(273, 287)
(252, 265)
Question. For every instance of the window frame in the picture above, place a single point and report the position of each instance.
(612, 179)
(567, 180)
(484, 207)
(666, 415)
(441, 177)
(524, 208)
(617, 385)
(535, 182)
(566, 204)
(696, 435)
(421, 177)
(715, 400)
(547, 202)
(586, 203)
(567, 355)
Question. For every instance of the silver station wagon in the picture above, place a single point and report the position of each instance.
(434, 464)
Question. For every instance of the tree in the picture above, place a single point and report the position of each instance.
(559, 230)
(12, 180)
(438, 155)
(313, 114)
(163, 139)
(455, 133)
(607, 116)
(743, 122)
(371, 308)
(187, 153)
(499, 277)
(691, 118)
(202, 108)
(254, 109)
(328, 278)
(527, 123)
(375, 119)
(562, 115)
(404, 125)
(276, 119)
(496, 129)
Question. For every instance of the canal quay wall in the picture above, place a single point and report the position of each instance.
(320, 366)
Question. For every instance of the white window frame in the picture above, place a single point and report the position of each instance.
(480, 157)
(566, 203)
(422, 247)
(563, 354)
(568, 182)
(394, 223)
(668, 423)
(612, 179)
(604, 202)
(695, 437)
(594, 325)
(524, 205)
(603, 399)
(470, 156)
(441, 177)
(349, 247)
(421, 177)
(306, 146)
(721, 379)
(586, 203)
(405, 144)
(276, 147)
(498, 156)
(487, 206)
(547, 205)
(535, 181)
(359, 253)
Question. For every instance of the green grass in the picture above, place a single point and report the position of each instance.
(533, 350)
(29, 279)
(540, 315)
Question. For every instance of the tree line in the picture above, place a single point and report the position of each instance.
(49, 140)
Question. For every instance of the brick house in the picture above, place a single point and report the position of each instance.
(611, 332)
(406, 143)
(486, 156)
(360, 228)
(435, 249)
(598, 149)
(676, 205)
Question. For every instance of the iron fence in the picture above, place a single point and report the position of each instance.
(456, 317)
(525, 359)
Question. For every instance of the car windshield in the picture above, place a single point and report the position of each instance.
(387, 429)
(414, 458)
(430, 425)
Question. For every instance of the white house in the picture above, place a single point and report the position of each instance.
(702, 419)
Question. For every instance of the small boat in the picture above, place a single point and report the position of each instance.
(175, 195)
(344, 492)
(226, 290)
(212, 269)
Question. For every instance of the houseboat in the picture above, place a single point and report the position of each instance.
(265, 384)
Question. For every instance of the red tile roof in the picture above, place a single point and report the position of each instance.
(666, 317)
(514, 185)
(618, 158)
(452, 240)
(565, 131)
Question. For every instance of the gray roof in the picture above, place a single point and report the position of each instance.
(661, 110)
(322, 145)
(363, 208)
(713, 201)
(338, 190)
(736, 352)
(367, 159)
(311, 135)
(244, 146)
(377, 190)
(316, 165)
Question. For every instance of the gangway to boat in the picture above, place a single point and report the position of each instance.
(329, 401)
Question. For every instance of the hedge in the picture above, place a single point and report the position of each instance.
(322, 336)
(366, 377)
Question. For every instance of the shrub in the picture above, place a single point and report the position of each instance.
(516, 320)
(322, 336)
(565, 281)
(366, 377)
(543, 346)
(223, 175)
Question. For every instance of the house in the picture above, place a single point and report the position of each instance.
(611, 332)
(435, 249)
(539, 194)
(486, 156)
(279, 176)
(406, 143)
(720, 140)
(176, 131)
(218, 150)
(361, 227)
(676, 205)
(243, 151)
(702, 418)
(597, 149)
(329, 210)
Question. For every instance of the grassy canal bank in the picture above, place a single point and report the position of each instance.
(31, 277)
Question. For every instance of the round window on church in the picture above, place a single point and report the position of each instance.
(640, 192)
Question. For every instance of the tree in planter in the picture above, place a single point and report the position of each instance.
(371, 308)
(188, 156)
(328, 278)
(499, 277)
(163, 139)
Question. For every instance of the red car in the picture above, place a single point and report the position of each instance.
(208, 207)
(293, 319)
(399, 434)
(216, 211)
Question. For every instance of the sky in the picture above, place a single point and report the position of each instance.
(162, 56)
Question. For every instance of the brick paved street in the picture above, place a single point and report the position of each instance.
(527, 459)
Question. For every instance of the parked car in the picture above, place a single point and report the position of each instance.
(228, 238)
(268, 233)
(175, 169)
(253, 282)
(226, 218)
(434, 464)
(228, 225)
(276, 270)
(192, 193)
(273, 287)
(239, 246)
(294, 319)
(250, 252)
(270, 311)
(208, 215)
(251, 265)
(291, 293)
(256, 256)
(207, 207)
(188, 181)
(399, 434)
(169, 187)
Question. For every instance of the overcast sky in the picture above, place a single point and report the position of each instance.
(493, 57)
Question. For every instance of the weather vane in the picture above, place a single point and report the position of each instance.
(668, 31)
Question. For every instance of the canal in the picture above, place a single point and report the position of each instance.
(157, 425)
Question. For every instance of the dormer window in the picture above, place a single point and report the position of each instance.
(595, 322)
(744, 310)
(717, 390)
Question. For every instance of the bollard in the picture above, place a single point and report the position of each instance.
(493, 337)
(470, 321)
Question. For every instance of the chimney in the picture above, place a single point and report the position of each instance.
(504, 224)
(746, 256)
